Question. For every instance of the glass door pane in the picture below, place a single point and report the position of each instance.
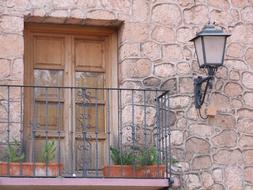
(49, 99)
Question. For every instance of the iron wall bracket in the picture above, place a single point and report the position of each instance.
(199, 96)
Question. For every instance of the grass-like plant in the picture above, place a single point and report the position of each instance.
(148, 156)
(48, 151)
(122, 157)
(14, 153)
(138, 155)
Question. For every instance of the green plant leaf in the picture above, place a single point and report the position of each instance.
(48, 151)
(13, 152)
(122, 157)
(138, 155)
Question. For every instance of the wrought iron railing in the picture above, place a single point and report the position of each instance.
(84, 132)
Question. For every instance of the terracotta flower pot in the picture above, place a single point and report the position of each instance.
(27, 169)
(149, 171)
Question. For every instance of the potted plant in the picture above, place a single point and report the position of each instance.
(122, 159)
(151, 165)
(139, 162)
(46, 165)
(15, 165)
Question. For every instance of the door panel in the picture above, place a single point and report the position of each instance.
(90, 104)
(89, 55)
(48, 50)
(88, 157)
(44, 106)
(90, 117)
(50, 115)
(49, 102)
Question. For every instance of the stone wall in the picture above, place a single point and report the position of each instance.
(155, 52)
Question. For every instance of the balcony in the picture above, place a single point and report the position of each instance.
(84, 138)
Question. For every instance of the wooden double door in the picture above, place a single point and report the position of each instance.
(59, 56)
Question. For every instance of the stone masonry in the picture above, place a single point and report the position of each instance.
(154, 52)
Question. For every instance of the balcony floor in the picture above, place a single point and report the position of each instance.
(12, 183)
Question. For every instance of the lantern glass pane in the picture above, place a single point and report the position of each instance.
(199, 51)
(214, 48)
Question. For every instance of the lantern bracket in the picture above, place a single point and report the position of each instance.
(199, 81)
(199, 96)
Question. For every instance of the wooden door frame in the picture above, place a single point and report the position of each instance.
(110, 33)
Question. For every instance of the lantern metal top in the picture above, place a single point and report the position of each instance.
(210, 30)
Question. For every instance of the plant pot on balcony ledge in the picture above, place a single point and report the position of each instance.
(28, 169)
(17, 167)
(149, 171)
(146, 163)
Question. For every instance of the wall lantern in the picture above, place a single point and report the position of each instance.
(210, 46)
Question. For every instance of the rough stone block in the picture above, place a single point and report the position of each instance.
(11, 46)
(196, 145)
(227, 138)
(197, 15)
(136, 68)
(151, 50)
(168, 14)
(164, 70)
(163, 34)
(201, 162)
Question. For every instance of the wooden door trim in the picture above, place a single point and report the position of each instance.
(71, 29)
